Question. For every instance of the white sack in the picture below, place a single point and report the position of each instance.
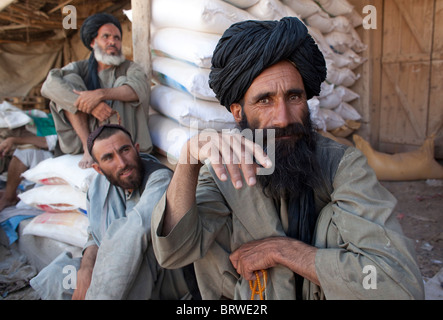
(321, 21)
(168, 135)
(190, 111)
(331, 118)
(183, 76)
(55, 198)
(336, 7)
(340, 76)
(12, 117)
(271, 10)
(347, 94)
(242, 4)
(316, 117)
(303, 8)
(332, 99)
(68, 227)
(192, 46)
(340, 60)
(347, 112)
(62, 170)
(212, 16)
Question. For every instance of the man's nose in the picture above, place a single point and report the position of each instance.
(120, 162)
(281, 117)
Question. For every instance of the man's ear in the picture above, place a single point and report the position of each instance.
(97, 168)
(137, 147)
(236, 110)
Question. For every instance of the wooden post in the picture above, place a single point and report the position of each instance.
(141, 21)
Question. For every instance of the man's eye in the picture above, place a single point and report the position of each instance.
(295, 97)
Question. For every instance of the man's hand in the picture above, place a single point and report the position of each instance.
(255, 256)
(6, 146)
(266, 253)
(87, 101)
(232, 150)
(102, 112)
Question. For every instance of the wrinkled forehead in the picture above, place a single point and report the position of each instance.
(282, 75)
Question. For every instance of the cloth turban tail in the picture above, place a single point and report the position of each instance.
(88, 32)
(248, 47)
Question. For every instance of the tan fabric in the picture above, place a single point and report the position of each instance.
(355, 228)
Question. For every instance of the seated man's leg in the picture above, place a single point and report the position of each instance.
(73, 128)
(79, 122)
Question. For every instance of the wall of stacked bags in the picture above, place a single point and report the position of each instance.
(184, 34)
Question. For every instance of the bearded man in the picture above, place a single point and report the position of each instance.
(106, 88)
(308, 228)
(118, 260)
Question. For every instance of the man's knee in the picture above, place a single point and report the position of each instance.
(75, 81)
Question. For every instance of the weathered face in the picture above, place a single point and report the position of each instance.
(109, 40)
(118, 159)
(275, 99)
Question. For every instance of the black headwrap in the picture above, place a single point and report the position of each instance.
(88, 32)
(248, 47)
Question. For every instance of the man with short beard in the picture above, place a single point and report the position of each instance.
(106, 88)
(304, 222)
(118, 260)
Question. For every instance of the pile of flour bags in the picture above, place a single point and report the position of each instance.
(184, 34)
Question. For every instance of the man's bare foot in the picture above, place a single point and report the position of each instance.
(86, 162)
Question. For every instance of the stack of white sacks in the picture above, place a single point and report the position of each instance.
(185, 33)
(60, 192)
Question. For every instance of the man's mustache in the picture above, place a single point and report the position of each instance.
(295, 130)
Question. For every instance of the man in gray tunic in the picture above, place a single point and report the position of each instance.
(106, 88)
(307, 219)
(118, 261)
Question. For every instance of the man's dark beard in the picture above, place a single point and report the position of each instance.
(296, 166)
(131, 184)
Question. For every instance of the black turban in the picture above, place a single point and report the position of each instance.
(88, 32)
(89, 29)
(248, 47)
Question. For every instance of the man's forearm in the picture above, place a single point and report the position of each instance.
(180, 195)
(123, 93)
(89, 257)
(39, 142)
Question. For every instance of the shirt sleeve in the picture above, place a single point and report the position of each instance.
(368, 256)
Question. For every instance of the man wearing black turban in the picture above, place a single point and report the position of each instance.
(300, 218)
(106, 88)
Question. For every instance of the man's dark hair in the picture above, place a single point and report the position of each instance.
(103, 132)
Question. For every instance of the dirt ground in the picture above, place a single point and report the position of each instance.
(420, 212)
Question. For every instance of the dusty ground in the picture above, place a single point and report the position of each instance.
(420, 212)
